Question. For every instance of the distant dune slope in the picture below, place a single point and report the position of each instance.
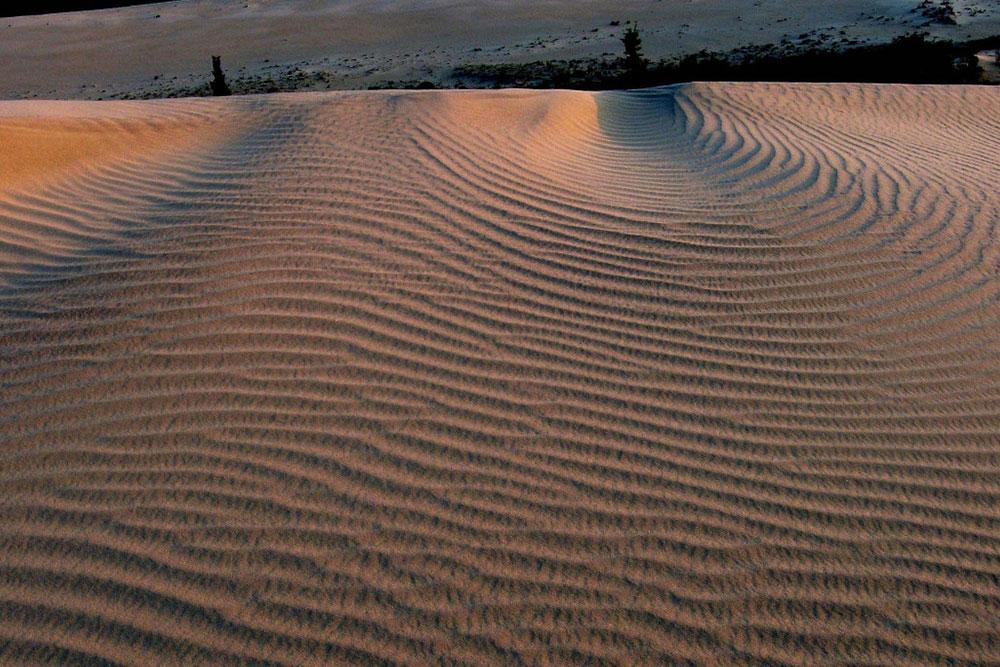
(704, 373)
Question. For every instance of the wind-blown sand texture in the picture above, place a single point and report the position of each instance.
(708, 373)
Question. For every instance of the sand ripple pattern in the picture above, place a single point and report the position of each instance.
(708, 373)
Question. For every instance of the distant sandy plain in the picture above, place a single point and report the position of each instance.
(699, 374)
(164, 49)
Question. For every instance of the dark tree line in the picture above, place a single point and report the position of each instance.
(912, 58)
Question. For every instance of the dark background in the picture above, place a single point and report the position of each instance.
(52, 6)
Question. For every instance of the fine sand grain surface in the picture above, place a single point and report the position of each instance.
(708, 373)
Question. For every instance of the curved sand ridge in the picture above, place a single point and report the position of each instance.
(700, 373)
(61, 158)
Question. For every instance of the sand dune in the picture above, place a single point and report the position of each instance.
(705, 373)
(61, 157)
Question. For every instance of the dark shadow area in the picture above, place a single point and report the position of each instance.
(911, 58)
(56, 6)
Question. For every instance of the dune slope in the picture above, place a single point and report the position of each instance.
(705, 373)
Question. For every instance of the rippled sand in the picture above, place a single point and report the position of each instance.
(708, 372)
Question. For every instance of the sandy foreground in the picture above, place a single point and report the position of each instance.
(164, 49)
(707, 372)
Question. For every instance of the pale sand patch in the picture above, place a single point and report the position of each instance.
(37, 150)
(67, 156)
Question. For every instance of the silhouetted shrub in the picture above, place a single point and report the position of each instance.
(635, 64)
(219, 86)
(942, 12)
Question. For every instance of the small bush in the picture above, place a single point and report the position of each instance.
(219, 86)
(635, 63)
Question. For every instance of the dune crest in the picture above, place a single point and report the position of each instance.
(65, 163)
(703, 373)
